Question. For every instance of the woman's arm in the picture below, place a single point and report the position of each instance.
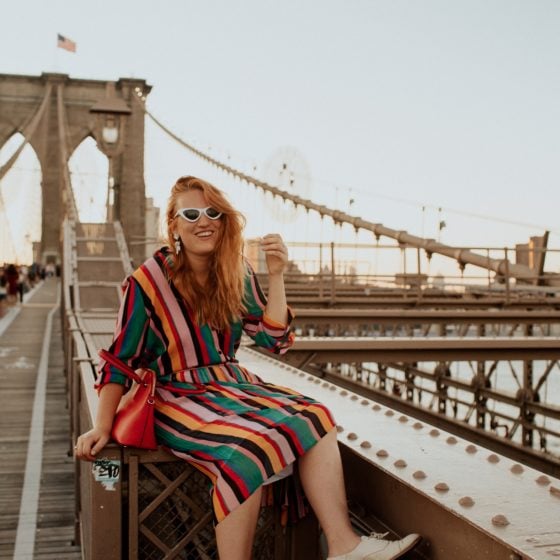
(276, 255)
(93, 441)
(129, 344)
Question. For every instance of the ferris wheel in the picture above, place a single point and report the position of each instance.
(288, 170)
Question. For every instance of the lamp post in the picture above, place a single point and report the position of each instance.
(108, 129)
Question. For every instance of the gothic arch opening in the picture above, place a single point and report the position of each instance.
(20, 204)
(89, 173)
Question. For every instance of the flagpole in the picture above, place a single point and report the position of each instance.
(55, 59)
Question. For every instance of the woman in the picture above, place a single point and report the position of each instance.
(182, 315)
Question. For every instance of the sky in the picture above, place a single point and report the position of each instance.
(405, 112)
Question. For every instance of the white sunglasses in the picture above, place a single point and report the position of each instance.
(194, 214)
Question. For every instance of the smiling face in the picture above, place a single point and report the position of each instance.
(198, 239)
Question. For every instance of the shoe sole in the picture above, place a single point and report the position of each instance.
(412, 545)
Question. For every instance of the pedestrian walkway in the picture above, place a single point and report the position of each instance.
(36, 470)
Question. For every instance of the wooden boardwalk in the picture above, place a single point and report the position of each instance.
(46, 478)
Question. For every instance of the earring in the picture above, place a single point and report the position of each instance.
(177, 243)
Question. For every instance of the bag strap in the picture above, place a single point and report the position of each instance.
(120, 365)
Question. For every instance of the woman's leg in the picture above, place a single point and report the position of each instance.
(235, 534)
(320, 471)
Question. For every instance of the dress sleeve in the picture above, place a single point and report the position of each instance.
(129, 338)
(266, 332)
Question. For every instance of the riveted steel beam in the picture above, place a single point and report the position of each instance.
(411, 349)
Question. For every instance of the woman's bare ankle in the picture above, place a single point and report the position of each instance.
(343, 546)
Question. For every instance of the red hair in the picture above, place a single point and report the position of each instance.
(221, 300)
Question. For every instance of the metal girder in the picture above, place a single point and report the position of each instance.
(416, 301)
(422, 316)
(410, 349)
(465, 501)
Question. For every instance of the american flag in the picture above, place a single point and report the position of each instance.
(65, 43)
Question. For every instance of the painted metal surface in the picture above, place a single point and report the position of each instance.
(364, 349)
(515, 505)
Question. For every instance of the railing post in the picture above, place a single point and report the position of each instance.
(333, 275)
(321, 270)
(527, 418)
(101, 505)
(506, 263)
(480, 400)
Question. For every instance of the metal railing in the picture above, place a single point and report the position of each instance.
(491, 389)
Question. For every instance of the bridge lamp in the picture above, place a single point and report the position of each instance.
(110, 132)
(109, 122)
(108, 128)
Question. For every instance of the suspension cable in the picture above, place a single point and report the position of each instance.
(501, 267)
(28, 130)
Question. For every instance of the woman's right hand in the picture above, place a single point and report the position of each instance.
(88, 445)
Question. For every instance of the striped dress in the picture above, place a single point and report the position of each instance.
(237, 429)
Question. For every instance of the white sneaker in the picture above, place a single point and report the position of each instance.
(376, 548)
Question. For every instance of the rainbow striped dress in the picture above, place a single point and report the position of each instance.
(210, 411)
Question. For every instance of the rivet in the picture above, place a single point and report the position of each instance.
(382, 453)
(419, 475)
(364, 402)
(403, 419)
(317, 381)
(451, 440)
(301, 374)
(332, 388)
(376, 407)
(400, 463)
(311, 378)
(517, 469)
(325, 384)
(434, 433)
(542, 480)
(352, 436)
(500, 520)
(493, 458)
(365, 445)
(354, 397)
(441, 487)
(466, 501)
(339, 429)
(471, 449)
(554, 552)
(389, 412)
(533, 540)
(418, 425)
(343, 393)
(554, 491)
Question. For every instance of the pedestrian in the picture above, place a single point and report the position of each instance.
(12, 278)
(182, 315)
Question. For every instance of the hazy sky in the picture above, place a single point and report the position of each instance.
(397, 104)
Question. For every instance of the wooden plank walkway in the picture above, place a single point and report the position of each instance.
(21, 346)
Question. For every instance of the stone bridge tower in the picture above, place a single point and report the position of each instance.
(55, 113)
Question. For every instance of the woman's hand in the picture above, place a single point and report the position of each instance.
(276, 253)
(88, 445)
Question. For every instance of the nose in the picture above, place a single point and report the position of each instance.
(204, 219)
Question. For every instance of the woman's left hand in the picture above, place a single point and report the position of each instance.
(276, 253)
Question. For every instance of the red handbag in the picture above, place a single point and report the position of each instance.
(133, 425)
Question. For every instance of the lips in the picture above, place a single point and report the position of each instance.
(204, 234)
